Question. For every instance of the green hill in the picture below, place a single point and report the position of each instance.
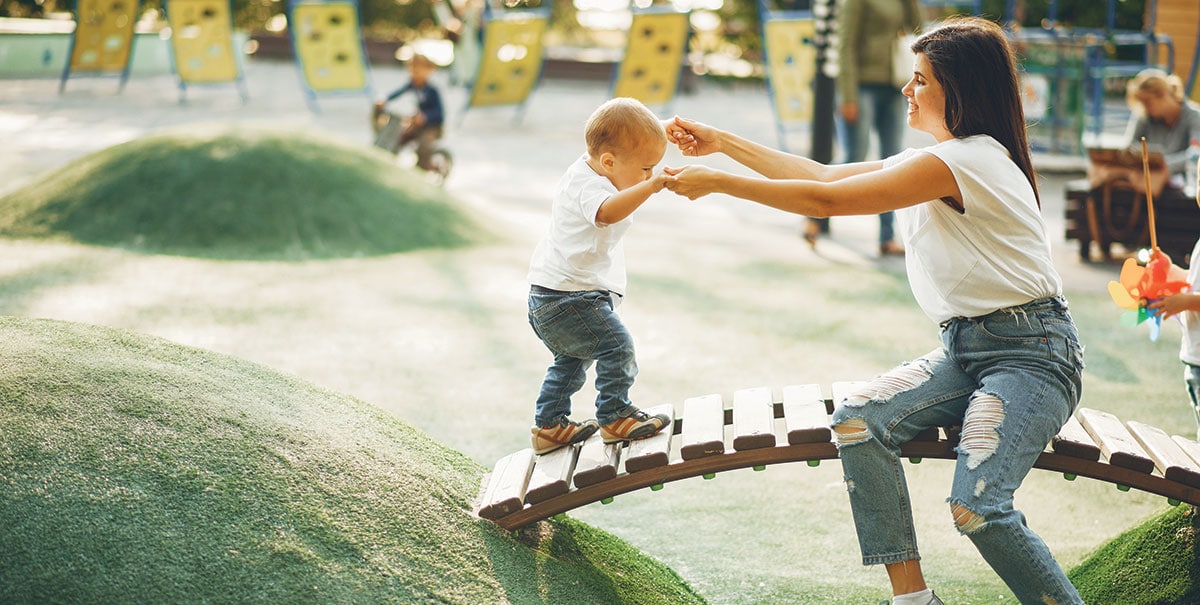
(1157, 562)
(135, 470)
(244, 193)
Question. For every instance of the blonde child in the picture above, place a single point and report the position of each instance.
(577, 278)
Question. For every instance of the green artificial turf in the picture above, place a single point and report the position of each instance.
(135, 470)
(241, 193)
(1155, 563)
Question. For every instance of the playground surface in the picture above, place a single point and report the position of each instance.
(724, 295)
(43, 129)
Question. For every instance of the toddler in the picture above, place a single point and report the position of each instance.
(577, 278)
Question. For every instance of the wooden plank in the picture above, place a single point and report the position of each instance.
(551, 474)
(753, 419)
(843, 389)
(506, 487)
(1117, 445)
(1169, 459)
(703, 427)
(597, 461)
(654, 451)
(1073, 440)
(804, 414)
(1189, 447)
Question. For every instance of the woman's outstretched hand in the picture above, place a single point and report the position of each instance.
(692, 181)
(692, 137)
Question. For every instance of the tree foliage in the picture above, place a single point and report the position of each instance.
(408, 19)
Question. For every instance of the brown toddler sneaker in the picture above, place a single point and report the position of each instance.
(546, 439)
(637, 425)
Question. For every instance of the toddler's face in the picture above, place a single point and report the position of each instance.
(420, 71)
(632, 167)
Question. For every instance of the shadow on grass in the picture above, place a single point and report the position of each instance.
(565, 561)
(19, 290)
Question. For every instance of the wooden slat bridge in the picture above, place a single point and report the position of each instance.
(524, 488)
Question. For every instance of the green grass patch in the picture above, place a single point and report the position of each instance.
(241, 193)
(1156, 563)
(133, 469)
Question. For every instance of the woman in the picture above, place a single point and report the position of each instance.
(979, 265)
(1161, 114)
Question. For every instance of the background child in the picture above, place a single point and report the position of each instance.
(1187, 306)
(577, 278)
(425, 125)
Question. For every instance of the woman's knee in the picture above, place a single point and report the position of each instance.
(966, 520)
(851, 430)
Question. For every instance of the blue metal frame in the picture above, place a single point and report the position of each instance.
(1095, 43)
(1191, 80)
(310, 94)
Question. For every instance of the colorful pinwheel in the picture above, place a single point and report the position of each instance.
(1140, 286)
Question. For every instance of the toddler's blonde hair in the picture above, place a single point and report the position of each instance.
(621, 125)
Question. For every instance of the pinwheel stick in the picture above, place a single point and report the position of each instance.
(1149, 196)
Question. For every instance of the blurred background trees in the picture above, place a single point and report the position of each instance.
(735, 23)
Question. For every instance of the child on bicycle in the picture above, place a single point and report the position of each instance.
(424, 126)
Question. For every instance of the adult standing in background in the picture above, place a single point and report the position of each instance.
(870, 98)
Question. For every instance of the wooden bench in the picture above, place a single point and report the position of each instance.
(524, 488)
(1116, 214)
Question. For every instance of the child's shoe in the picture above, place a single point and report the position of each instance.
(546, 439)
(637, 425)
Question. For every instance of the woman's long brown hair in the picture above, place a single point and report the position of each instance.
(974, 63)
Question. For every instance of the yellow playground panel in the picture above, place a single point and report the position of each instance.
(649, 71)
(329, 45)
(791, 67)
(511, 60)
(202, 40)
(103, 37)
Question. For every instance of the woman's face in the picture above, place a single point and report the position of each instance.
(1158, 107)
(926, 100)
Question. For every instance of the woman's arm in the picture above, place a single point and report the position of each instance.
(697, 139)
(918, 179)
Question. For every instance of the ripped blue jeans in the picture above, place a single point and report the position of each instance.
(1010, 379)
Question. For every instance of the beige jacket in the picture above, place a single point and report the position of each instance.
(867, 32)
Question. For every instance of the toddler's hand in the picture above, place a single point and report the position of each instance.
(1176, 304)
(692, 181)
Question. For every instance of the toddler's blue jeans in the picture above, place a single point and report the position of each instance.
(1010, 379)
(580, 328)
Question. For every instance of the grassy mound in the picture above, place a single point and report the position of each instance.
(245, 193)
(137, 470)
(1157, 562)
